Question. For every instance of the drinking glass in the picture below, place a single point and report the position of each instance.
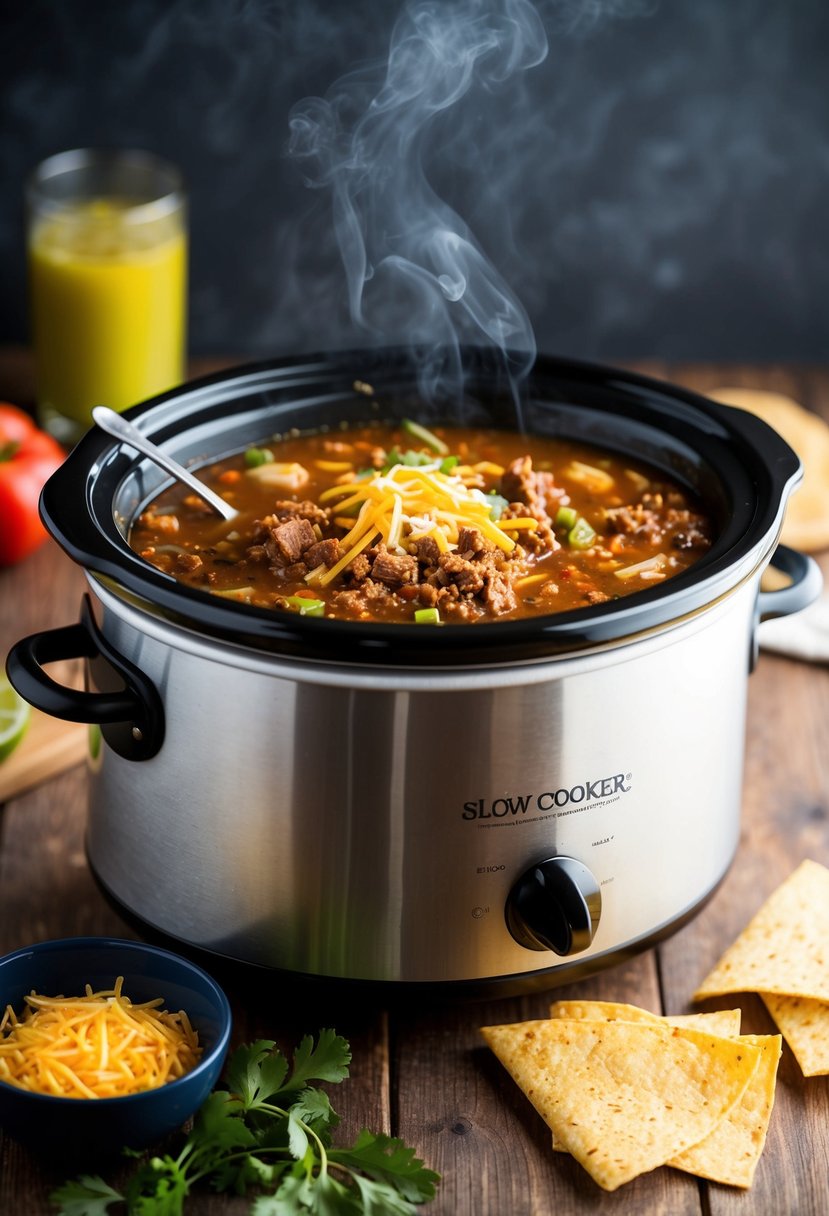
(107, 249)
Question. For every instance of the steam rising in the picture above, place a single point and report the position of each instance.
(415, 273)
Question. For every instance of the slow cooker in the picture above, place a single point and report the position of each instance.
(522, 802)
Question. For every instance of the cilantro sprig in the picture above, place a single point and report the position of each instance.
(269, 1135)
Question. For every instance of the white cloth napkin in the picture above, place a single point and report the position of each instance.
(803, 635)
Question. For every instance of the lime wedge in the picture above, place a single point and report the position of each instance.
(14, 718)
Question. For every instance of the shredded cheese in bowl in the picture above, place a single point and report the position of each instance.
(99, 1045)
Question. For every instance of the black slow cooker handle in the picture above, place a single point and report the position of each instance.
(131, 717)
(806, 585)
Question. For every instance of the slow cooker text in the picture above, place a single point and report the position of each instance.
(520, 804)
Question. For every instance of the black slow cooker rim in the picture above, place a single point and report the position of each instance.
(97, 464)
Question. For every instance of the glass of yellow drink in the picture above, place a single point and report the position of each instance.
(107, 246)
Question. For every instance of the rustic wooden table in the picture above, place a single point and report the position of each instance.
(420, 1071)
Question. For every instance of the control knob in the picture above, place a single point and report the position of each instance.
(555, 905)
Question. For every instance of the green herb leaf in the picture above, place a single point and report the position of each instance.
(381, 1199)
(159, 1188)
(218, 1126)
(256, 1072)
(295, 1197)
(243, 1142)
(389, 1160)
(87, 1195)
(328, 1061)
(298, 1145)
(314, 1107)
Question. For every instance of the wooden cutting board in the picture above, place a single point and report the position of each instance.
(49, 746)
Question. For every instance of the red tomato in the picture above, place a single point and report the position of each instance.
(28, 456)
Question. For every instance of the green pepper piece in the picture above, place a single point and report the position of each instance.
(498, 505)
(305, 606)
(254, 457)
(581, 535)
(427, 616)
(566, 518)
(425, 436)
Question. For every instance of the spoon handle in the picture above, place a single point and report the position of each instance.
(119, 428)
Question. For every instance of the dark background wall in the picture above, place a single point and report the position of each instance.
(658, 186)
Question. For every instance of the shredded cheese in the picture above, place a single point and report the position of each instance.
(597, 480)
(100, 1045)
(407, 503)
(650, 568)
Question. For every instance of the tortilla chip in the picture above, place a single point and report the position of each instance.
(730, 1153)
(624, 1097)
(785, 948)
(804, 1024)
(725, 1022)
(806, 525)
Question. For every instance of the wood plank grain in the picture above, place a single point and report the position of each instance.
(473, 1124)
(785, 817)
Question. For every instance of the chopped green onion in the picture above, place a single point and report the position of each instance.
(566, 518)
(420, 432)
(581, 535)
(235, 593)
(447, 465)
(254, 457)
(497, 505)
(427, 616)
(305, 606)
(410, 459)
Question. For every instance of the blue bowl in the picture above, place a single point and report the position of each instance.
(91, 1127)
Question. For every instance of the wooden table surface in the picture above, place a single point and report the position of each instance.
(420, 1071)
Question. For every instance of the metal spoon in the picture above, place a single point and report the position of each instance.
(120, 428)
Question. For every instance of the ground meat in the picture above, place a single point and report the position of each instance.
(636, 520)
(538, 540)
(359, 568)
(691, 538)
(470, 542)
(288, 541)
(428, 553)
(692, 533)
(365, 599)
(498, 594)
(535, 488)
(596, 597)
(188, 563)
(159, 522)
(350, 603)
(394, 570)
(652, 521)
(323, 553)
(286, 509)
(293, 572)
(467, 576)
(197, 505)
(458, 610)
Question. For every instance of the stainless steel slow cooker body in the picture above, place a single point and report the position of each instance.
(526, 801)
